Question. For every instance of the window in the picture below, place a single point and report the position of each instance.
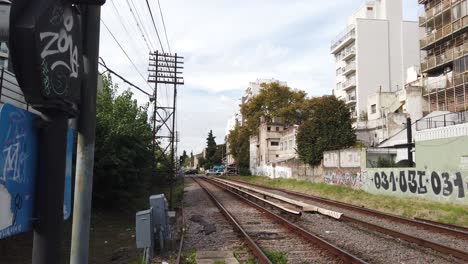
(290, 144)
(370, 8)
(277, 156)
(277, 129)
(339, 71)
(274, 143)
(373, 109)
(338, 86)
(281, 146)
(268, 128)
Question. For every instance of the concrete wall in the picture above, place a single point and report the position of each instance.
(343, 167)
(434, 185)
(448, 144)
(372, 59)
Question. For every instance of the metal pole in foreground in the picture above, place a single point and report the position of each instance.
(48, 230)
(86, 138)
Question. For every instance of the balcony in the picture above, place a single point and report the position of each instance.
(349, 53)
(434, 10)
(343, 39)
(434, 84)
(443, 34)
(350, 99)
(441, 60)
(349, 69)
(349, 84)
(354, 115)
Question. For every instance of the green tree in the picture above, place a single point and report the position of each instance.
(275, 101)
(210, 159)
(183, 159)
(239, 146)
(192, 159)
(123, 155)
(329, 127)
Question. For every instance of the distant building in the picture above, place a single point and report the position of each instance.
(444, 60)
(275, 143)
(252, 90)
(387, 111)
(373, 53)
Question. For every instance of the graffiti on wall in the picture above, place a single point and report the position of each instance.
(272, 171)
(428, 184)
(345, 178)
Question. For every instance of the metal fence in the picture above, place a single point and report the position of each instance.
(10, 92)
(445, 120)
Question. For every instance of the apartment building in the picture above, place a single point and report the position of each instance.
(373, 53)
(444, 47)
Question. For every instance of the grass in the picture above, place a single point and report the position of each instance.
(276, 257)
(189, 257)
(441, 212)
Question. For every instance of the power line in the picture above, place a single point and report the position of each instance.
(123, 50)
(103, 64)
(155, 28)
(143, 25)
(138, 25)
(121, 21)
(164, 26)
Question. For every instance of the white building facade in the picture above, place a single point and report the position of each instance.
(373, 53)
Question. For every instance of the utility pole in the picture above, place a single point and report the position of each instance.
(48, 230)
(86, 138)
(164, 69)
(409, 136)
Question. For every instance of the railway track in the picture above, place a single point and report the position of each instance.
(442, 228)
(458, 235)
(265, 231)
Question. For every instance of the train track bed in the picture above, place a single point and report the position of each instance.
(371, 245)
(268, 234)
(206, 228)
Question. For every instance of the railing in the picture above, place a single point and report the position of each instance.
(349, 32)
(350, 98)
(437, 9)
(447, 56)
(349, 51)
(350, 67)
(443, 32)
(350, 82)
(11, 93)
(439, 83)
(446, 120)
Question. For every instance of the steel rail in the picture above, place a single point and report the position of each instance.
(412, 239)
(256, 250)
(440, 228)
(263, 199)
(314, 239)
(461, 228)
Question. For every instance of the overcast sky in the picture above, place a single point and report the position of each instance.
(227, 44)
